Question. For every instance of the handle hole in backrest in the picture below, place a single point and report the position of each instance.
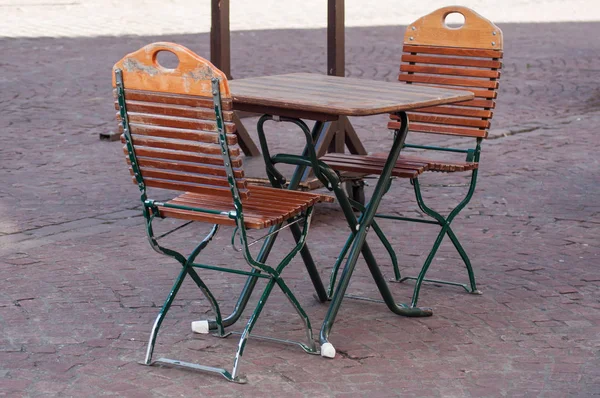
(454, 20)
(167, 59)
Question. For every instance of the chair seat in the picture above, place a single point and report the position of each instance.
(263, 208)
(373, 164)
(406, 166)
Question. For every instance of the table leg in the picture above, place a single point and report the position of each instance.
(362, 226)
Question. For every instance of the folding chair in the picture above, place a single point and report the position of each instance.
(179, 136)
(438, 55)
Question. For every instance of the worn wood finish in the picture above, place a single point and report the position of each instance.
(476, 33)
(172, 122)
(263, 208)
(334, 96)
(176, 144)
(192, 76)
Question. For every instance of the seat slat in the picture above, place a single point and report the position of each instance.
(438, 70)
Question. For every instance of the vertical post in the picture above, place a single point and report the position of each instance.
(220, 54)
(335, 38)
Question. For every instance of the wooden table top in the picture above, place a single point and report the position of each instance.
(321, 97)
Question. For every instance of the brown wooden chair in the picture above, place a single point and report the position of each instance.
(179, 136)
(436, 54)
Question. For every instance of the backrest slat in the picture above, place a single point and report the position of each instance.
(466, 58)
(172, 123)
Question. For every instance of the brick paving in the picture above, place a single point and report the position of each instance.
(80, 286)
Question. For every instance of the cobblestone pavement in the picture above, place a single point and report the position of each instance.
(80, 286)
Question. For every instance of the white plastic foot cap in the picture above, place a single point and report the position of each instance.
(327, 350)
(200, 327)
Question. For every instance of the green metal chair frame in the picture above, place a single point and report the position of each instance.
(207, 77)
(470, 55)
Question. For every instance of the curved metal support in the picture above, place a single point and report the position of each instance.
(446, 230)
(382, 238)
(359, 244)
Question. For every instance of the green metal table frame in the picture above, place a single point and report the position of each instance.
(359, 227)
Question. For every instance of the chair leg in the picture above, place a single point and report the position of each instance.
(421, 277)
(466, 260)
(163, 313)
(445, 224)
(310, 347)
(250, 326)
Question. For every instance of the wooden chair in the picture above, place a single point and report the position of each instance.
(435, 54)
(179, 136)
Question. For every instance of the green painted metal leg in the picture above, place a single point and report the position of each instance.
(359, 245)
(420, 278)
(445, 224)
(250, 325)
(265, 250)
(310, 347)
(163, 313)
(338, 262)
(466, 260)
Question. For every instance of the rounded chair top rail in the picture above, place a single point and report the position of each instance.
(192, 75)
(477, 32)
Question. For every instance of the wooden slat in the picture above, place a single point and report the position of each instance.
(368, 165)
(176, 122)
(457, 50)
(454, 111)
(452, 121)
(182, 156)
(174, 110)
(451, 81)
(436, 129)
(478, 103)
(209, 137)
(186, 177)
(187, 167)
(451, 61)
(174, 99)
(438, 70)
(487, 94)
(180, 145)
(188, 187)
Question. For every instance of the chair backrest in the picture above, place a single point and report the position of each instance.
(466, 58)
(172, 122)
